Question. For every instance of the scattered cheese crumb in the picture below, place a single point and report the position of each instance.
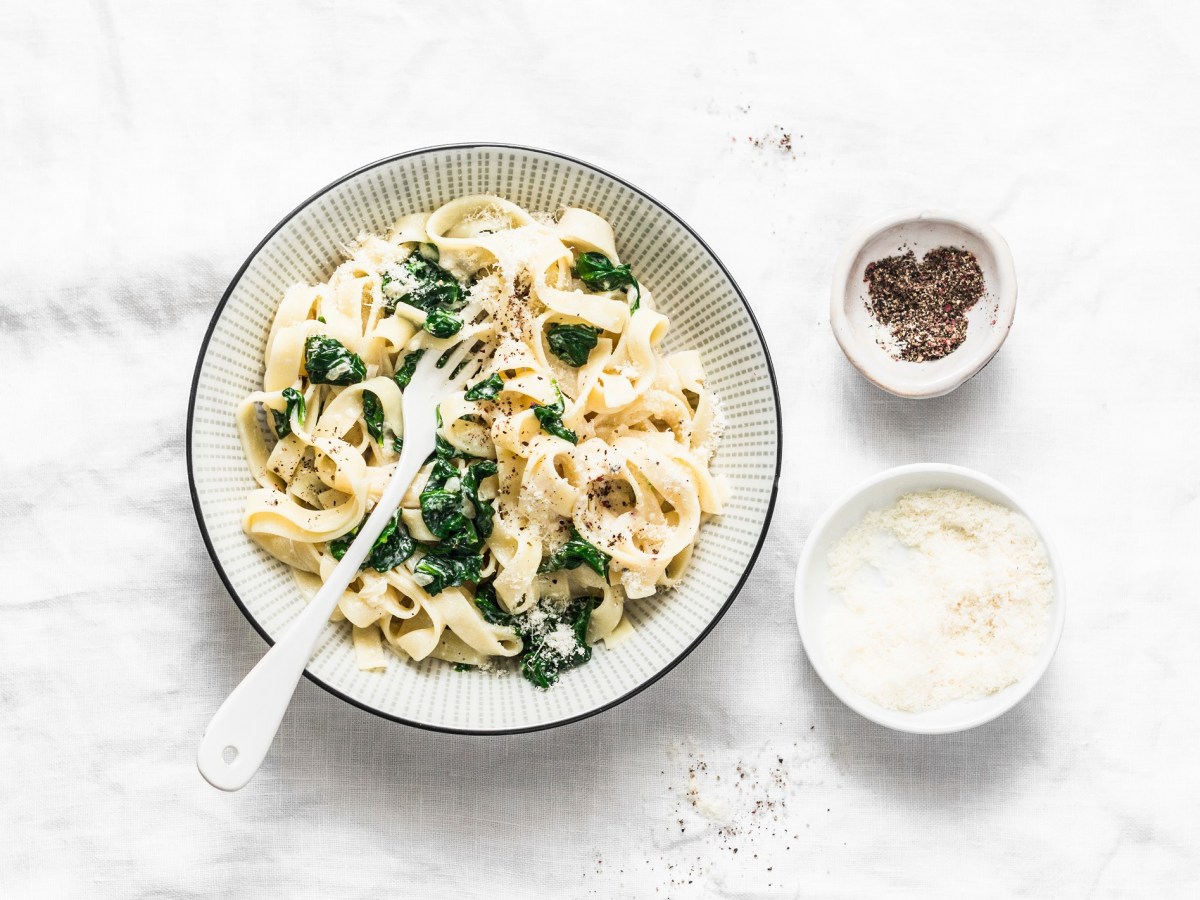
(561, 640)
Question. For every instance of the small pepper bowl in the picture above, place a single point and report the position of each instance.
(988, 322)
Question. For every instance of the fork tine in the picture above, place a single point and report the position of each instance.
(457, 356)
(469, 373)
(449, 374)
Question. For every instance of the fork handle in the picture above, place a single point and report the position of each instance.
(242, 730)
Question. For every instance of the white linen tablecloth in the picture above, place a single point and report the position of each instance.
(145, 148)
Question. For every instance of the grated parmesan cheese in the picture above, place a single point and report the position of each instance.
(400, 282)
(535, 621)
(945, 597)
(561, 640)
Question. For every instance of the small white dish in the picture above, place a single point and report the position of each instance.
(988, 322)
(814, 597)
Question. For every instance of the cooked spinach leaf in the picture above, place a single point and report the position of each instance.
(443, 470)
(537, 671)
(295, 404)
(404, 374)
(550, 418)
(442, 448)
(391, 548)
(339, 546)
(541, 663)
(427, 286)
(597, 272)
(580, 626)
(463, 667)
(441, 324)
(574, 553)
(373, 414)
(448, 567)
(485, 599)
(484, 510)
(552, 424)
(442, 511)
(486, 389)
(572, 343)
(329, 362)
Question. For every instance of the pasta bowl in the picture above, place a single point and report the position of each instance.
(707, 313)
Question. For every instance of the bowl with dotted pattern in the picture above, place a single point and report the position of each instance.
(707, 311)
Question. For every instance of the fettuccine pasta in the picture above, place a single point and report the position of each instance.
(570, 478)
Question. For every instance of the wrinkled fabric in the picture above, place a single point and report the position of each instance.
(146, 149)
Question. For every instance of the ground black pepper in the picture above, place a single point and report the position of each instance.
(925, 303)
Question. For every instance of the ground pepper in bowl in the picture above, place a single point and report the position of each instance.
(924, 304)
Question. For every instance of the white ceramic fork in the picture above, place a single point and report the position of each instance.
(240, 734)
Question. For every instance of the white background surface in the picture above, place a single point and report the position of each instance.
(146, 148)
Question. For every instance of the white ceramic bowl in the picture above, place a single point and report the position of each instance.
(814, 598)
(988, 322)
(707, 312)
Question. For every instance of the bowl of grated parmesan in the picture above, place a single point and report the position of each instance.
(927, 599)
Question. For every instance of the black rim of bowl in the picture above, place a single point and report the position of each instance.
(732, 594)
